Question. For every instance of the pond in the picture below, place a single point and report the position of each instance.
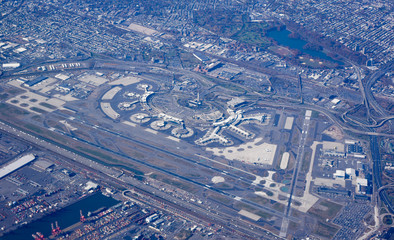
(282, 38)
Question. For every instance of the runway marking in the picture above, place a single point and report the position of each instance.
(249, 215)
(173, 138)
(150, 130)
(129, 123)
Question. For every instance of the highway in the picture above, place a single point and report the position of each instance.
(331, 115)
(369, 100)
(152, 166)
(348, 123)
(377, 124)
(377, 168)
(276, 101)
(370, 80)
(153, 197)
(178, 156)
(363, 92)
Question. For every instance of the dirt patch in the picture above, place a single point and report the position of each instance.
(334, 132)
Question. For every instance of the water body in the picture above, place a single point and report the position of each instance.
(65, 217)
(282, 38)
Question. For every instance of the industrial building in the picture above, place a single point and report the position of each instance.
(201, 57)
(43, 165)
(35, 81)
(11, 65)
(15, 165)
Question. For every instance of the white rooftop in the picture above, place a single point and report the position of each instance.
(339, 173)
(362, 181)
(22, 161)
(333, 146)
(90, 185)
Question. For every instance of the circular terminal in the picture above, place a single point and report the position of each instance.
(140, 118)
(160, 125)
(181, 132)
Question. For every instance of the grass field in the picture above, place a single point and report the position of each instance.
(184, 234)
(47, 105)
(107, 160)
(39, 110)
(306, 162)
(252, 33)
(219, 198)
(258, 199)
(179, 184)
(325, 210)
(9, 115)
(174, 182)
(278, 207)
(264, 215)
(325, 230)
(10, 111)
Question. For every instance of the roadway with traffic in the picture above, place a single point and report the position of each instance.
(150, 196)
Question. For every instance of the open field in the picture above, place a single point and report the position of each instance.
(325, 209)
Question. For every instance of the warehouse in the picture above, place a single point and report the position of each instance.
(35, 81)
(4, 171)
